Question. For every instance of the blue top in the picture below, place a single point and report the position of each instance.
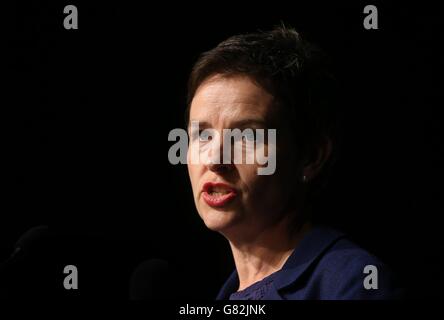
(324, 266)
(257, 291)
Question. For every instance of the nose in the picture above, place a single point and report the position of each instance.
(220, 168)
(216, 154)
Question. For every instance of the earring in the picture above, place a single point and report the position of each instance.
(304, 178)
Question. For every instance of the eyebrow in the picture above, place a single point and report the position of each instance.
(249, 123)
(260, 123)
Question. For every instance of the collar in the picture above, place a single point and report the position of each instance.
(312, 246)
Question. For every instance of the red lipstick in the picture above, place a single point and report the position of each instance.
(218, 194)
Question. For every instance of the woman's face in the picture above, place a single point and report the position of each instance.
(233, 199)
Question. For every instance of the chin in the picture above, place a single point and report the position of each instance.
(217, 220)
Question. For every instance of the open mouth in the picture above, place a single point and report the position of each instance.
(217, 194)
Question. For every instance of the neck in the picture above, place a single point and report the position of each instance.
(257, 258)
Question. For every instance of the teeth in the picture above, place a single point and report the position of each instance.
(217, 194)
(219, 190)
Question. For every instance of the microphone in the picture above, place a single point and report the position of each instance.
(150, 281)
(10, 269)
(25, 243)
(29, 239)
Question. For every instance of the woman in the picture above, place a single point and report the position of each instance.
(273, 80)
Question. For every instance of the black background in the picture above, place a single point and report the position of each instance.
(86, 115)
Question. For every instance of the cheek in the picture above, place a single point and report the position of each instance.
(193, 173)
(249, 179)
(261, 190)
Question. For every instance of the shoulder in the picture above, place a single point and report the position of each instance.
(346, 271)
(326, 265)
(344, 255)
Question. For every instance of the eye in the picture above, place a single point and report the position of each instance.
(205, 136)
(249, 136)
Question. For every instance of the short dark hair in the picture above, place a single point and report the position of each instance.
(297, 74)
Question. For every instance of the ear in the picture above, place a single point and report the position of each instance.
(316, 160)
